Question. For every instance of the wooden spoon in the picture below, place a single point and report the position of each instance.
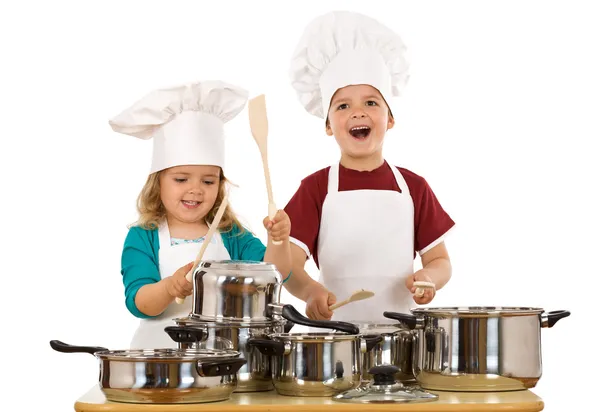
(259, 125)
(211, 231)
(421, 286)
(358, 295)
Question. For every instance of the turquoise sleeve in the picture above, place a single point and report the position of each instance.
(139, 266)
(244, 245)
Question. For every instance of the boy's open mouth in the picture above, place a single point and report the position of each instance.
(360, 132)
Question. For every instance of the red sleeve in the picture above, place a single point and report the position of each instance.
(304, 210)
(431, 220)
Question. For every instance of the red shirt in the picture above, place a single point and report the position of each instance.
(304, 208)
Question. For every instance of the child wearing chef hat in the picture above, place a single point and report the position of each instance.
(363, 220)
(182, 194)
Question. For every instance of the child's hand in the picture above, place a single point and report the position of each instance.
(177, 285)
(420, 275)
(279, 228)
(318, 303)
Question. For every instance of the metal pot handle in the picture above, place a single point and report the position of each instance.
(186, 334)
(267, 346)
(368, 342)
(550, 318)
(219, 367)
(66, 348)
(411, 321)
(290, 313)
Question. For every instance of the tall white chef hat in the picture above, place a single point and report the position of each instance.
(185, 122)
(343, 48)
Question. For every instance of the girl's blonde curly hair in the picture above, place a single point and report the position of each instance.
(152, 212)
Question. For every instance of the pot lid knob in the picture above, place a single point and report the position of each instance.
(384, 374)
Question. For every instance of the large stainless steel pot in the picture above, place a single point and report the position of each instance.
(255, 375)
(234, 290)
(163, 376)
(395, 348)
(478, 348)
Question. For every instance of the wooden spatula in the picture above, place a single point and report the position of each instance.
(259, 125)
(421, 286)
(211, 231)
(358, 295)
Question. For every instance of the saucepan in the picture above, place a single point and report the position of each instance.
(163, 376)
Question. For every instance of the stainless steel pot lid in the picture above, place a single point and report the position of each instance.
(237, 265)
(487, 311)
(166, 355)
(383, 328)
(384, 389)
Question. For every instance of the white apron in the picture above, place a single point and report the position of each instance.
(366, 241)
(151, 332)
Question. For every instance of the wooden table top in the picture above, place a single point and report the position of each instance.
(521, 401)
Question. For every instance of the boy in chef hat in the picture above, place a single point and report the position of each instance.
(362, 220)
(181, 196)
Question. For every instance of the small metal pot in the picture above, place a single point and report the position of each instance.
(314, 364)
(478, 348)
(395, 348)
(234, 291)
(163, 376)
(255, 375)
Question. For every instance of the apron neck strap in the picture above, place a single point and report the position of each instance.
(164, 236)
(334, 178)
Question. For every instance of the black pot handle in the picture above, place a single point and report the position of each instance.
(409, 320)
(66, 348)
(372, 340)
(267, 346)
(291, 314)
(186, 334)
(549, 319)
(288, 326)
(219, 367)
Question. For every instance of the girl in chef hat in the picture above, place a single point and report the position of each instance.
(363, 220)
(181, 196)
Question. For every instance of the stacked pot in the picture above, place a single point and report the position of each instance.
(236, 307)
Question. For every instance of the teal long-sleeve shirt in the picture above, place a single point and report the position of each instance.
(139, 260)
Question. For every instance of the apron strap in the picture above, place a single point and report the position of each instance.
(164, 236)
(399, 179)
(334, 178)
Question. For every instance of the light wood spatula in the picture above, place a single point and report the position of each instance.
(358, 295)
(259, 125)
(211, 231)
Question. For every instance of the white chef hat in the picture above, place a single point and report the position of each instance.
(343, 48)
(185, 122)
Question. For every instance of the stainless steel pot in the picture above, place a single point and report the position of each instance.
(163, 376)
(255, 375)
(395, 348)
(234, 290)
(478, 348)
(316, 364)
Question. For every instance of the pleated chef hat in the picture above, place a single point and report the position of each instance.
(185, 122)
(343, 48)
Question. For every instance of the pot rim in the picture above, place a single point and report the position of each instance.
(166, 355)
(314, 336)
(209, 322)
(478, 311)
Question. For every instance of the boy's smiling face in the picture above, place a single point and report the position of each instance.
(358, 118)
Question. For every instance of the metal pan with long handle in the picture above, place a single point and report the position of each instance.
(163, 376)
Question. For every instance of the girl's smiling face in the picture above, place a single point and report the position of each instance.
(188, 193)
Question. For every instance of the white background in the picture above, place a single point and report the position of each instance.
(500, 116)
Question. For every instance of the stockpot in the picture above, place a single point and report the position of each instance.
(478, 348)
